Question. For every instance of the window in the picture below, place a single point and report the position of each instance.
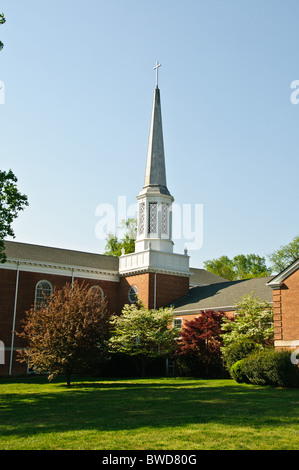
(43, 290)
(177, 323)
(133, 294)
(152, 217)
(99, 291)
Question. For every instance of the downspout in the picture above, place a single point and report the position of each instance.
(14, 319)
(155, 290)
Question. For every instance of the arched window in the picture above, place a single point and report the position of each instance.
(43, 290)
(99, 291)
(133, 294)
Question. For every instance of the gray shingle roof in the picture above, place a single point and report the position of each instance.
(59, 256)
(221, 295)
(204, 277)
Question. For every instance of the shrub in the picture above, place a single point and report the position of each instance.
(267, 367)
(237, 372)
(239, 350)
(279, 369)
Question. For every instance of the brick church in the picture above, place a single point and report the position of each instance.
(154, 272)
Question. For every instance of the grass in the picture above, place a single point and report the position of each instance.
(146, 414)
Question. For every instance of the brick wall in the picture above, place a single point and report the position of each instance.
(25, 300)
(277, 314)
(290, 307)
(154, 289)
(286, 304)
(191, 316)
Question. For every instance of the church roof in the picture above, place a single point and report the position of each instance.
(44, 254)
(222, 295)
(201, 277)
(17, 251)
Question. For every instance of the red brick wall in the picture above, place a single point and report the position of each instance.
(168, 288)
(142, 282)
(286, 308)
(192, 316)
(277, 314)
(26, 294)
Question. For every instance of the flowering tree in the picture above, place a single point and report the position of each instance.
(251, 329)
(253, 321)
(68, 332)
(143, 334)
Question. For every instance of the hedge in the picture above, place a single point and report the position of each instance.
(267, 367)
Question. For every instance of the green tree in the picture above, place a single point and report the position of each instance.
(222, 267)
(2, 21)
(285, 255)
(114, 246)
(253, 321)
(239, 267)
(11, 202)
(68, 333)
(143, 334)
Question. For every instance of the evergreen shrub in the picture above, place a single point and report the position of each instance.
(237, 372)
(267, 367)
(239, 350)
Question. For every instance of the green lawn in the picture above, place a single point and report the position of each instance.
(149, 414)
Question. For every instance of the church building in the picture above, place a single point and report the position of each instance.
(154, 272)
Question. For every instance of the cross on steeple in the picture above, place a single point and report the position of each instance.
(157, 68)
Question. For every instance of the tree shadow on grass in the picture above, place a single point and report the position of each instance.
(118, 405)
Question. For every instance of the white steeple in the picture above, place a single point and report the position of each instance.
(154, 245)
(154, 225)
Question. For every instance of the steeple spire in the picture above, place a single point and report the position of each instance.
(153, 254)
(155, 174)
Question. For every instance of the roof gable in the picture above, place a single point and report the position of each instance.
(278, 280)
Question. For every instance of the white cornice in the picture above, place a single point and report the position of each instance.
(149, 269)
(61, 270)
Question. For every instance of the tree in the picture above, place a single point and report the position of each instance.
(285, 255)
(199, 346)
(222, 267)
(143, 334)
(67, 333)
(11, 202)
(253, 321)
(114, 246)
(2, 21)
(240, 267)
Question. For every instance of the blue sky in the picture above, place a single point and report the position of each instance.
(74, 126)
